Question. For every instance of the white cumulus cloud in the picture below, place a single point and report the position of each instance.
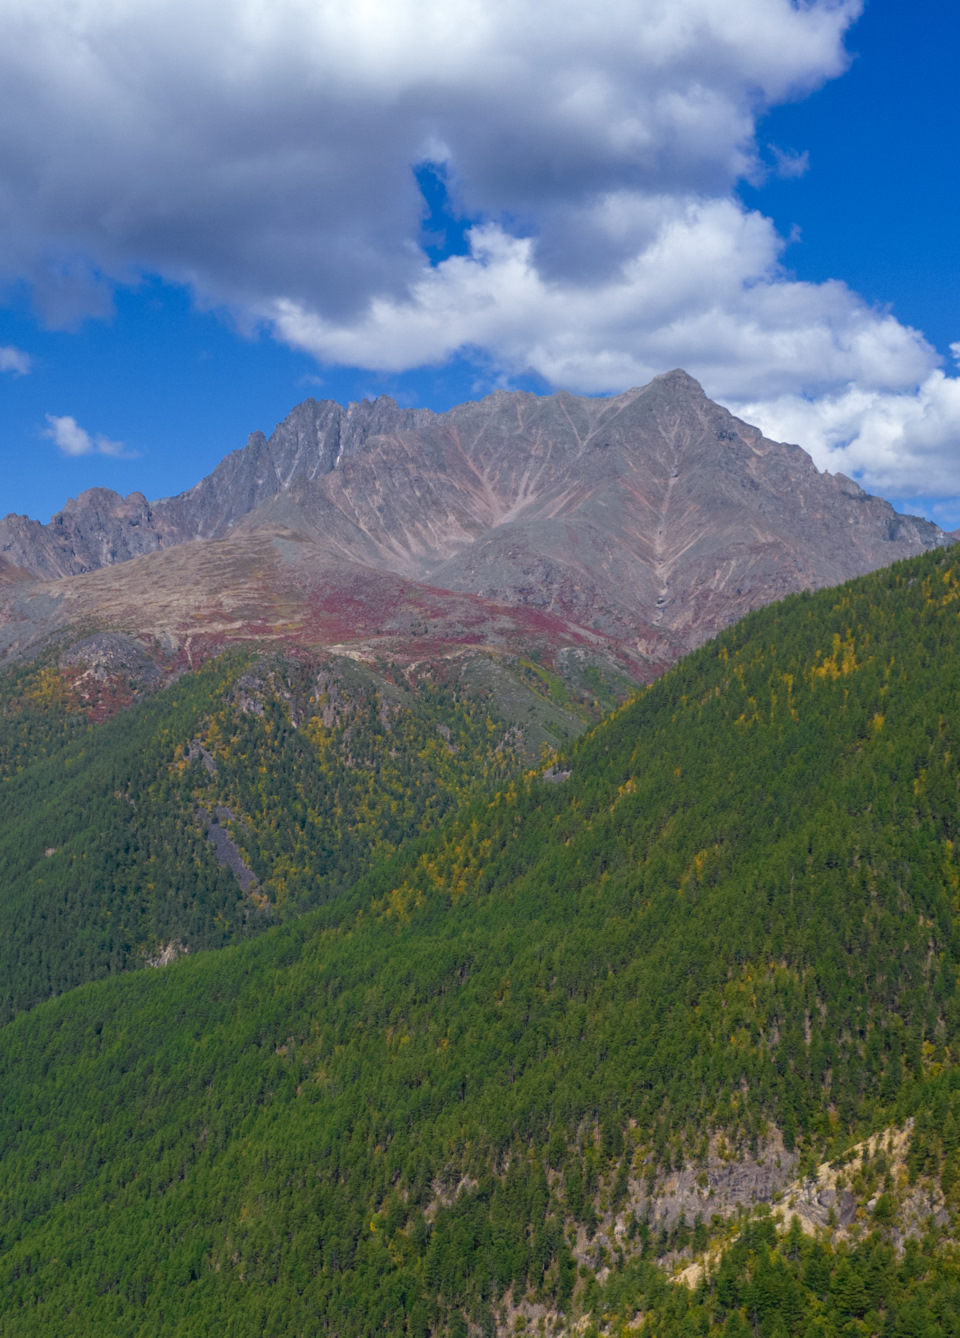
(264, 149)
(263, 153)
(900, 444)
(72, 439)
(705, 291)
(14, 360)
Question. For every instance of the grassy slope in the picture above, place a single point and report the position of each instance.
(740, 908)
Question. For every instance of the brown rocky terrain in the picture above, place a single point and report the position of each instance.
(271, 585)
(643, 522)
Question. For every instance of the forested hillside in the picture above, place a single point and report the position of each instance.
(106, 856)
(461, 1096)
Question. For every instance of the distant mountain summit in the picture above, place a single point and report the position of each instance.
(652, 518)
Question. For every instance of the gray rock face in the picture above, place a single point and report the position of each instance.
(106, 654)
(96, 530)
(227, 851)
(655, 516)
(100, 527)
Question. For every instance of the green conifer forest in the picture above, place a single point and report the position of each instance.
(476, 1041)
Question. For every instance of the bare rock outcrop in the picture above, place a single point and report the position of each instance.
(652, 518)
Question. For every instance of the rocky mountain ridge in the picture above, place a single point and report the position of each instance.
(652, 518)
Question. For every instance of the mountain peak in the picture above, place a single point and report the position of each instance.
(102, 498)
(648, 515)
(678, 380)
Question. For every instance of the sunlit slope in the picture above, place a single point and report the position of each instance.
(738, 910)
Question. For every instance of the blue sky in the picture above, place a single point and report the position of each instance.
(788, 235)
(879, 206)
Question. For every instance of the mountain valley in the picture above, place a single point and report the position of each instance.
(483, 1087)
(482, 874)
